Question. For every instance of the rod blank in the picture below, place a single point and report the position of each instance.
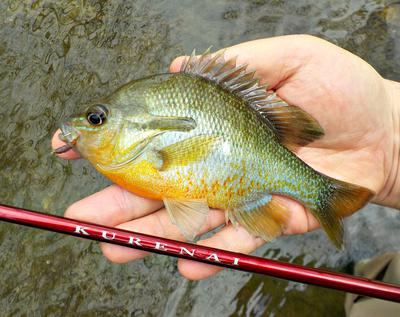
(199, 253)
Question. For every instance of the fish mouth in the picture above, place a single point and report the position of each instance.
(69, 135)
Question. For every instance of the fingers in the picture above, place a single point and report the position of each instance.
(111, 206)
(239, 240)
(56, 143)
(115, 206)
(301, 220)
(275, 59)
(228, 238)
(157, 224)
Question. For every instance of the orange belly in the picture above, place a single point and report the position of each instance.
(145, 180)
(141, 179)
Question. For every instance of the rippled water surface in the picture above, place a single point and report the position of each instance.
(57, 54)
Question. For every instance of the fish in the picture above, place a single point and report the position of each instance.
(211, 136)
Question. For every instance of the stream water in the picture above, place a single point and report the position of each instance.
(56, 54)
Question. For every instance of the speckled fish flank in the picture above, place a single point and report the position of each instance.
(212, 136)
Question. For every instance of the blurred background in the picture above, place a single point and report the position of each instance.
(55, 55)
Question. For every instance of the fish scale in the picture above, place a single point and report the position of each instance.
(211, 136)
(275, 177)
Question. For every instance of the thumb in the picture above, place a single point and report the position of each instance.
(275, 59)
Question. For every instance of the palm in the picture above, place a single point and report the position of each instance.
(344, 94)
(355, 135)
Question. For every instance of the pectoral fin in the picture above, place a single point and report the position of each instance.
(264, 216)
(188, 215)
(187, 151)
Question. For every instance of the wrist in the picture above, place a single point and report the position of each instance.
(391, 195)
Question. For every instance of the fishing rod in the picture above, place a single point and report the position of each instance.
(233, 260)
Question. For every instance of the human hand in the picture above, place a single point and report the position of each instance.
(354, 105)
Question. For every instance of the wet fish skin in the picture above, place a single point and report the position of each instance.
(208, 137)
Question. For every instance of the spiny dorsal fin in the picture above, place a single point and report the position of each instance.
(292, 126)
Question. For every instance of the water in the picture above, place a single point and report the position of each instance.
(57, 54)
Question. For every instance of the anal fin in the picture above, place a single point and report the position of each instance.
(265, 217)
(188, 214)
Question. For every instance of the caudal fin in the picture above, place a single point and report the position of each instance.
(339, 200)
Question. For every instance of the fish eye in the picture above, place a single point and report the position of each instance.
(97, 115)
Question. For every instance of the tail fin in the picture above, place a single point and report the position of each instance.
(338, 200)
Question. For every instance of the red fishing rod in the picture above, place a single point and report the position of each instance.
(199, 253)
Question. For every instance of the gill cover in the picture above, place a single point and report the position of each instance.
(148, 128)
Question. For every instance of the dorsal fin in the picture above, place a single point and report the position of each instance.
(292, 126)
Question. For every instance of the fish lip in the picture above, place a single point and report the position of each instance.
(69, 135)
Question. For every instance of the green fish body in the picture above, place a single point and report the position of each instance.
(211, 136)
